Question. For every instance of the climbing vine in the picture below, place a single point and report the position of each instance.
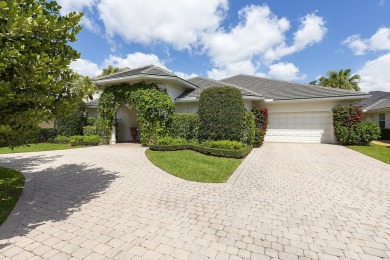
(153, 105)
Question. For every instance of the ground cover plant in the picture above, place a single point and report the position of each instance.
(194, 166)
(11, 185)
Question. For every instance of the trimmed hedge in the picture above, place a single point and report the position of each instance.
(62, 139)
(261, 122)
(349, 128)
(248, 129)
(238, 154)
(90, 130)
(184, 126)
(221, 114)
(224, 145)
(385, 134)
(78, 140)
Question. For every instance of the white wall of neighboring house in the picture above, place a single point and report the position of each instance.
(48, 124)
(374, 117)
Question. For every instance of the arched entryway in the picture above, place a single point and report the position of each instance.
(126, 118)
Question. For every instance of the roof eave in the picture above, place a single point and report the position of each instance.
(196, 99)
(354, 97)
(383, 109)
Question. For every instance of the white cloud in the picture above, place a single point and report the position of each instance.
(85, 67)
(375, 74)
(134, 60)
(378, 42)
(260, 37)
(184, 75)
(177, 22)
(72, 6)
(285, 71)
(90, 24)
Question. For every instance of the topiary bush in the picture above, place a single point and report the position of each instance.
(261, 122)
(349, 129)
(221, 114)
(73, 123)
(184, 126)
(248, 129)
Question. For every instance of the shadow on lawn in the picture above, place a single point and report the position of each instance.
(53, 193)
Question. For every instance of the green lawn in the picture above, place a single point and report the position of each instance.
(194, 166)
(36, 148)
(381, 153)
(11, 185)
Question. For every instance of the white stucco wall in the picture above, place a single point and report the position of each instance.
(374, 117)
(126, 118)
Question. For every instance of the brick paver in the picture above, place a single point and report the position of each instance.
(285, 201)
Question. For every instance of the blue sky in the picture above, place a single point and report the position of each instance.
(290, 40)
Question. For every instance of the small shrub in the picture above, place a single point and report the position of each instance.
(184, 126)
(360, 134)
(90, 130)
(224, 145)
(261, 122)
(84, 140)
(47, 135)
(91, 121)
(73, 123)
(62, 139)
(385, 134)
(167, 140)
(248, 129)
(221, 114)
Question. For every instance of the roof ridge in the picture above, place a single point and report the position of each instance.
(126, 70)
(298, 83)
(154, 66)
(230, 84)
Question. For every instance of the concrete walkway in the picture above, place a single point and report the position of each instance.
(285, 201)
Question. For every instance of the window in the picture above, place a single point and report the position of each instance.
(382, 120)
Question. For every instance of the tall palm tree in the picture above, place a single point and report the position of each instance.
(340, 79)
(109, 70)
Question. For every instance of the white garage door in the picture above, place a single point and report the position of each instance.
(310, 127)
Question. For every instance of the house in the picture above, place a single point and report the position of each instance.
(377, 108)
(297, 112)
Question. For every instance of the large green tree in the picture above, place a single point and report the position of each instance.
(35, 79)
(85, 86)
(339, 79)
(111, 70)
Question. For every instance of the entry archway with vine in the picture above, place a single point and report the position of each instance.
(154, 107)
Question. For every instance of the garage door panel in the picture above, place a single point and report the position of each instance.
(314, 127)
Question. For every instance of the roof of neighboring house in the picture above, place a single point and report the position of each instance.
(284, 90)
(204, 83)
(378, 100)
(146, 71)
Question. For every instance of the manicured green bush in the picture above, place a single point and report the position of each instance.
(261, 122)
(47, 135)
(224, 145)
(91, 121)
(78, 140)
(248, 129)
(349, 128)
(184, 126)
(385, 134)
(73, 123)
(167, 140)
(205, 150)
(62, 139)
(221, 114)
(90, 130)
(360, 134)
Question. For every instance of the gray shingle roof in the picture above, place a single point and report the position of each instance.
(378, 100)
(284, 90)
(147, 70)
(204, 83)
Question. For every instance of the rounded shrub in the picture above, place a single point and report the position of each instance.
(221, 114)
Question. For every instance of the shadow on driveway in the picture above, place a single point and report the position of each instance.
(51, 193)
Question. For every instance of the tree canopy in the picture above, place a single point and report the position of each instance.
(35, 80)
(111, 70)
(339, 79)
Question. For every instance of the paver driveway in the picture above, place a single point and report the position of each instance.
(286, 201)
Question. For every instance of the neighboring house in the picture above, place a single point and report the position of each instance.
(377, 108)
(297, 112)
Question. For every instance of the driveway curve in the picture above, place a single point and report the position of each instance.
(285, 201)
